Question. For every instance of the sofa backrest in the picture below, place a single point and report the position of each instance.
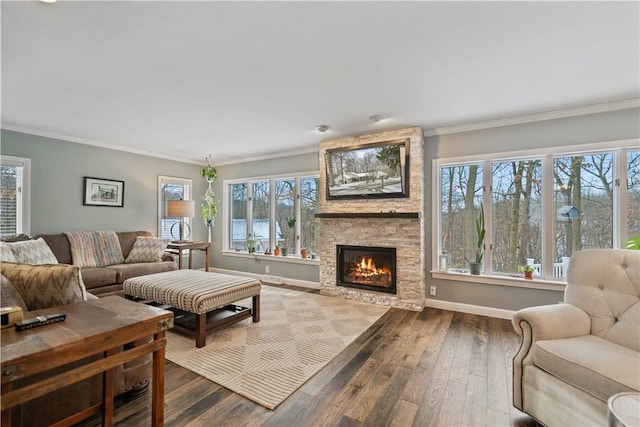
(605, 283)
(61, 248)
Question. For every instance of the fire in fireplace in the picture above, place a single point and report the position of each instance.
(366, 267)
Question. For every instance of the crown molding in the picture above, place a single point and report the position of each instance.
(83, 141)
(624, 104)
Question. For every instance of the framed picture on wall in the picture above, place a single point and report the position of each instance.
(103, 192)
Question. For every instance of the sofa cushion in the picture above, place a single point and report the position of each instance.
(46, 285)
(6, 254)
(95, 248)
(126, 271)
(94, 277)
(590, 363)
(33, 252)
(59, 245)
(128, 238)
(147, 249)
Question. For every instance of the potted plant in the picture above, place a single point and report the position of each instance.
(276, 250)
(291, 223)
(209, 207)
(633, 243)
(527, 272)
(251, 243)
(303, 253)
(474, 267)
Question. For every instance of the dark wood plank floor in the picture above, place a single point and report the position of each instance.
(429, 368)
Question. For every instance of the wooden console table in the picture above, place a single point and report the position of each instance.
(97, 327)
(178, 247)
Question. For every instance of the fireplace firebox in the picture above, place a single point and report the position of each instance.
(366, 267)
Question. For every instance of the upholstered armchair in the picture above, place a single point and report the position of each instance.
(574, 356)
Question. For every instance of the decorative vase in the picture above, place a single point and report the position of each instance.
(303, 253)
(474, 268)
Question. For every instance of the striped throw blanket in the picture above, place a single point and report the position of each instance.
(95, 248)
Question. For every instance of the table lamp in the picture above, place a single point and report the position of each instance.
(181, 209)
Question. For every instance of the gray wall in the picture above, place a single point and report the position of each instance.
(278, 166)
(58, 167)
(591, 128)
(57, 171)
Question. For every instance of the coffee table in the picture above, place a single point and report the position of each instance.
(202, 302)
(99, 328)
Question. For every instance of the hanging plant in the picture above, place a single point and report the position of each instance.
(209, 173)
(209, 200)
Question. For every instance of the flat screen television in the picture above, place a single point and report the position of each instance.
(376, 170)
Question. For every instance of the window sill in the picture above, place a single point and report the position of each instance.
(294, 259)
(514, 281)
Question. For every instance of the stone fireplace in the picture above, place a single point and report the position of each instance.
(389, 223)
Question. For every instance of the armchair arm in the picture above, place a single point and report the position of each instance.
(545, 322)
(548, 322)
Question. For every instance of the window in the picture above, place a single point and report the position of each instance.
(539, 207)
(278, 211)
(516, 220)
(633, 194)
(171, 188)
(14, 195)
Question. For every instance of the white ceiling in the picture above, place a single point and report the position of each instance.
(243, 80)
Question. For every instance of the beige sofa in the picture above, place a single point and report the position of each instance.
(574, 356)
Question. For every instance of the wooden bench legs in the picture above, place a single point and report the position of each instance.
(221, 318)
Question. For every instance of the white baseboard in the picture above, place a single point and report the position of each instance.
(468, 308)
(285, 280)
(433, 303)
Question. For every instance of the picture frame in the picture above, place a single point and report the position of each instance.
(103, 192)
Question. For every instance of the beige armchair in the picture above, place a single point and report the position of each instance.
(574, 356)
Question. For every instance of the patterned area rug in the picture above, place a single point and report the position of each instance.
(298, 334)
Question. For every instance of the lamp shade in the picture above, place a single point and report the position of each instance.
(181, 208)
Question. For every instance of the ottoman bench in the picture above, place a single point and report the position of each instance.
(201, 301)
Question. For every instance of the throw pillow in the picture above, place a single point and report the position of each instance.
(147, 249)
(46, 285)
(33, 252)
(95, 248)
(6, 254)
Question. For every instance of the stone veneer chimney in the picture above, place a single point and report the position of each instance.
(378, 226)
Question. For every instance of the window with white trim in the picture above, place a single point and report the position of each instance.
(540, 207)
(278, 211)
(172, 188)
(15, 175)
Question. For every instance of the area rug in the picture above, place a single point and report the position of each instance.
(298, 334)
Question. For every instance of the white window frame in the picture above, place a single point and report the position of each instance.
(618, 148)
(226, 220)
(187, 183)
(23, 205)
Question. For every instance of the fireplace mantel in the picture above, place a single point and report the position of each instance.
(368, 215)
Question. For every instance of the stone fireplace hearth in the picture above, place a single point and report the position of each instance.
(396, 223)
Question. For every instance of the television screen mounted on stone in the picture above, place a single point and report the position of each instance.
(376, 170)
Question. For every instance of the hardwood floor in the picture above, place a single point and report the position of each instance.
(429, 368)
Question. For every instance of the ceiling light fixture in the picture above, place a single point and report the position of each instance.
(48, 1)
(376, 118)
(322, 128)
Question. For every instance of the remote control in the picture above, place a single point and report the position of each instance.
(40, 321)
